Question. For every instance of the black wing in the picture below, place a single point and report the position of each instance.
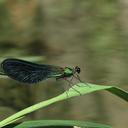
(28, 72)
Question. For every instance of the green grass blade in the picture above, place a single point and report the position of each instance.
(15, 120)
(43, 123)
(81, 88)
(119, 92)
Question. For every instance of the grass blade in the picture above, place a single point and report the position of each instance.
(42, 123)
(80, 87)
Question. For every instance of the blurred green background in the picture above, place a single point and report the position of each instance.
(90, 34)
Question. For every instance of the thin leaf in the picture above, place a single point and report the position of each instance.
(119, 92)
(42, 123)
(81, 88)
(15, 120)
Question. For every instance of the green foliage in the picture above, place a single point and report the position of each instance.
(76, 90)
(40, 123)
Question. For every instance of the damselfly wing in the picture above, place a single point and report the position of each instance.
(28, 72)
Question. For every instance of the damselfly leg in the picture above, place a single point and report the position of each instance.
(76, 76)
(70, 84)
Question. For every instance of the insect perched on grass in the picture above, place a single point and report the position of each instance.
(28, 72)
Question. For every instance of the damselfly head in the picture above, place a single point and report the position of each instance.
(77, 69)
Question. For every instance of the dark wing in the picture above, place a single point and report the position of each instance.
(28, 72)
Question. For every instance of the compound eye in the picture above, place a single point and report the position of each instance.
(77, 69)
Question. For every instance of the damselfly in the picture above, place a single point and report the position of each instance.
(28, 72)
